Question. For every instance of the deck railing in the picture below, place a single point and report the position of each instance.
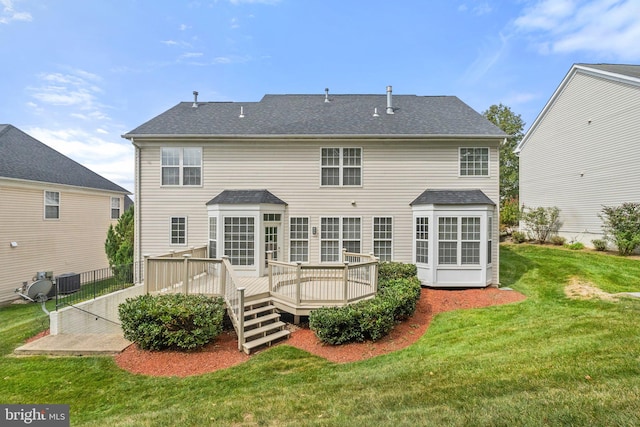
(303, 285)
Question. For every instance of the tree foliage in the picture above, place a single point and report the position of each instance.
(621, 225)
(512, 124)
(119, 243)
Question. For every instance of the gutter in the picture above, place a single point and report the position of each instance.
(311, 136)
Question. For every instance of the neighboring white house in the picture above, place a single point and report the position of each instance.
(409, 178)
(583, 150)
(54, 213)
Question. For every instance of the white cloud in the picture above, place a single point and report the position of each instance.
(477, 7)
(9, 14)
(610, 28)
(487, 57)
(192, 55)
(254, 1)
(112, 160)
(234, 23)
(169, 42)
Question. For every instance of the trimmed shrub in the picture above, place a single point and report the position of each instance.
(336, 325)
(176, 321)
(371, 319)
(541, 222)
(519, 237)
(396, 270)
(599, 244)
(558, 240)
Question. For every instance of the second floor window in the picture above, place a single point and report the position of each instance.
(341, 167)
(474, 161)
(115, 207)
(181, 166)
(51, 205)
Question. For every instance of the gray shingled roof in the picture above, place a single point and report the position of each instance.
(623, 69)
(311, 115)
(247, 197)
(24, 157)
(452, 197)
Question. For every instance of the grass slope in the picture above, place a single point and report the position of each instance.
(545, 361)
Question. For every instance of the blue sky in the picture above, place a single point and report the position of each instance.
(77, 74)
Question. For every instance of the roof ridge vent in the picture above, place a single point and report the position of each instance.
(326, 94)
(241, 112)
(195, 99)
(389, 100)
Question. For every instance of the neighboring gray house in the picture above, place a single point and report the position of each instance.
(55, 212)
(408, 178)
(583, 150)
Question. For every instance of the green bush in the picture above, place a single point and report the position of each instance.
(371, 319)
(621, 225)
(519, 237)
(576, 246)
(177, 321)
(509, 213)
(541, 222)
(396, 270)
(558, 240)
(599, 244)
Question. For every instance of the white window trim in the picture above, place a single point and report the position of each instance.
(429, 237)
(340, 239)
(341, 168)
(373, 233)
(459, 241)
(215, 236)
(308, 239)
(257, 242)
(186, 231)
(488, 175)
(44, 213)
(181, 167)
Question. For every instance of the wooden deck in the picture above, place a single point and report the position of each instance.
(254, 285)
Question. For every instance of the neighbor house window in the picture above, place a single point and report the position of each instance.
(422, 240)
(239, 240)
(337, 233)
(178, 230)
(447, 240)
(470, 240)
(383, 238)
(213, 237)
(51, 205)
(341, 167)
(181, 166)
(299, 239)
(115, 207)
(474, 161)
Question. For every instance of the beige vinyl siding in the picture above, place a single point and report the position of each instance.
(72, 243)
(394, 173)
(584, 154)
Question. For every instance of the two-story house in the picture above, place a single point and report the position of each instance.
(54, 213)
(408, 178)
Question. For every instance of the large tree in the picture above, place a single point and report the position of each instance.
(512, 124)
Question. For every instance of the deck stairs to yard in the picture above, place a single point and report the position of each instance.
(262, 324)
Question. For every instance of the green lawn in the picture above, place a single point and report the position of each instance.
(545, 361)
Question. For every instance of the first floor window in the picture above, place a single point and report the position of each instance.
(181, 166)
(213, 237)
(337, 233)
(447, 240)
(51, 204)
(489, 238)
(383, 238)
(178, 230)
(115, 207)
(239, 240)
(422, 240)
(299, 239)
(470, 240)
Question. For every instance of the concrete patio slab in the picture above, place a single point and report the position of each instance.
(75, 345)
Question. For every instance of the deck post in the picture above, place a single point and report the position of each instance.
(298, 281)
(186, 273)
(374, 277)
(345, 277)
(240, 318)
(270, 270)
(145, 273)
(223, 276)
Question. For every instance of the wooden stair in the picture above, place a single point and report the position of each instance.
(262, 324)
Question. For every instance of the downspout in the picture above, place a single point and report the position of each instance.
(137, 205)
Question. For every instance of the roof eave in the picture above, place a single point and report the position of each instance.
(133, 137)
